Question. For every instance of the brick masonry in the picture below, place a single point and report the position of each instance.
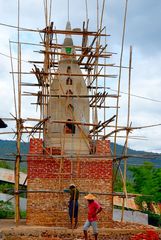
(53, 175)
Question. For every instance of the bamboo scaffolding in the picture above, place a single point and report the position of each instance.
(120, 128)
(101, 126)
(87, 57)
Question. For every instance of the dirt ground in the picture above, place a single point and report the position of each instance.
(9, 230)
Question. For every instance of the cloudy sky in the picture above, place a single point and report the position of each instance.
(143, 32)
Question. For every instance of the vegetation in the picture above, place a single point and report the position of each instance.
(153, 219)
(8, 148)
(23, 214)
(4, 164)
(147, 181)
(6, 187)
(6, 210)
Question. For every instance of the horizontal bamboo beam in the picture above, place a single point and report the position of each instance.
(37, 128)
(100, 106)
(71, 74)
(81, 157)
(81, 64)
(30, 84)
(73, 32)
(24, 132)
(74, 122)
(85, 64)
(98, 55)
(72, 96)
(82, 193)
(58, 31)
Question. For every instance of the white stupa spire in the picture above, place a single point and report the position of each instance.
(68, 47)
(68, 42)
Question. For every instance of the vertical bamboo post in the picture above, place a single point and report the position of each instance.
(120, 74)
(18, 123)
(104, 85)
(86, 4)
(119, 80)
(46, 67)
(68, 9)
(127, 133)
(13, 81)
(17, 167)
(96, 72)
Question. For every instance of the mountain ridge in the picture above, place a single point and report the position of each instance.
(8, 148)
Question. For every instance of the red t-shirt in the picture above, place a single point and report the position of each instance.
(92, 208)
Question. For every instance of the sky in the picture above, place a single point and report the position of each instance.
(143, 33)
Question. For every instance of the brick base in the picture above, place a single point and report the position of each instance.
(50, 176)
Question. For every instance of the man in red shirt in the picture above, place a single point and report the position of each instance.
(93, 209)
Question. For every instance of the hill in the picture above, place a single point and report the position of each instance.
(139, 157)
(8, 150)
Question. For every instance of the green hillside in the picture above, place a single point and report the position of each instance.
(8, 148)
(143, 156)
(8, 151)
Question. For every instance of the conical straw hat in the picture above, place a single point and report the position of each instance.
(90, 197)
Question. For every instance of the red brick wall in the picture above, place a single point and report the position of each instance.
(90, 175)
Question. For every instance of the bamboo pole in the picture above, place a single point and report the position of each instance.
(73, 96)
(122, 128)
(72, 74)
(18, 124)
(97, 54)
(82, 64)
(119, 80)
(127, 134)
(56, 31)
(13, 81)
(120, 73)
(120, 194)
(104, 82)
(46, 68)
(75, 156)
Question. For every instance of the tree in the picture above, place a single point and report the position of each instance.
(147, 181)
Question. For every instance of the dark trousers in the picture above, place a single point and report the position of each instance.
(73, 209)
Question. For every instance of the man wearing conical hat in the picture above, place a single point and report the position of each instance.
(93, 209)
